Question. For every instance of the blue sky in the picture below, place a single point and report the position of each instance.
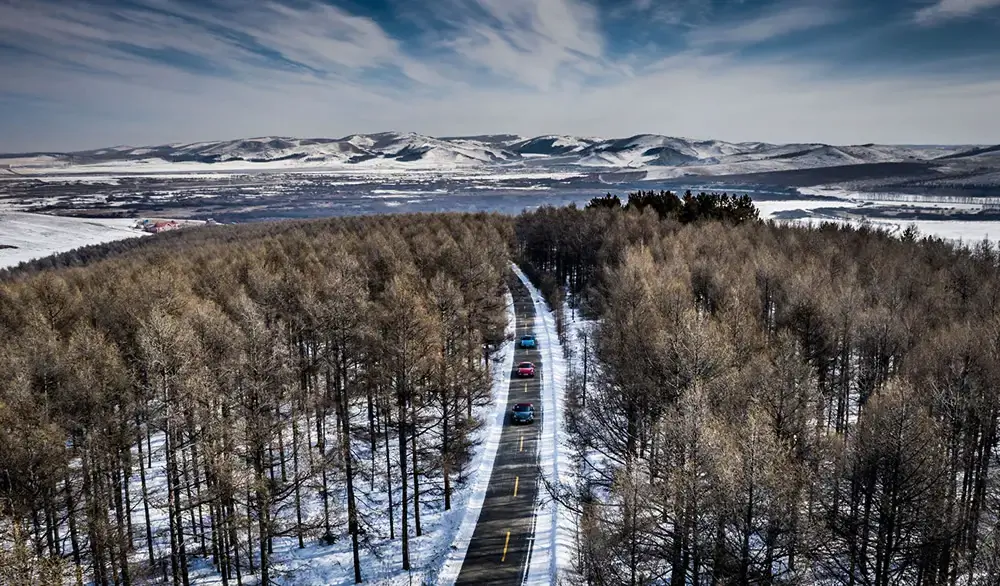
(83, 74)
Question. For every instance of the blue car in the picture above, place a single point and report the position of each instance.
(528, 341)
(523, 413)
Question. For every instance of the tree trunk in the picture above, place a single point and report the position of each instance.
(404, 527)
(416, 469)
(124, 543)
(73, 535)
(298, 484)
(445, 456)
(352, 511)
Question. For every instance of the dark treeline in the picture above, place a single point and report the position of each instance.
(203, 394)
(734, 209)
(777, 405)
(571, 253)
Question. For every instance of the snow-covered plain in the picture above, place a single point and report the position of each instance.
(958, 231)
(280, 177)
(35, 236)
(854, 208)
(769, 208)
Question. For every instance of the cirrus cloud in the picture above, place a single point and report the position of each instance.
(79, 75)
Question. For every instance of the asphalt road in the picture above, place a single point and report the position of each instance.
(498, 552)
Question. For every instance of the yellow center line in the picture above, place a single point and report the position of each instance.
(517, 480)
(506, 542)
(526, 387)
(521, 448)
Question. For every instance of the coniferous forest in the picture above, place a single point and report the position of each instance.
(763, 404)
(268, 364)
(769, 405)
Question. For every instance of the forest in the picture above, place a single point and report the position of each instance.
(760, 403)
(276, 371)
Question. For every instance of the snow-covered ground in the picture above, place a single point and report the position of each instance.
(34, 236)
(581, 465)
(769, 208)
(554, 527)
(956, 230)
(854, 203)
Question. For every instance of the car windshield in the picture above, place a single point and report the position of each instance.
(527, 337)
(525, 365)
(522, 408)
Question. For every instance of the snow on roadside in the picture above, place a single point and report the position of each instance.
(554, 527)
(483, 459)
(32, 236)
(583, 465)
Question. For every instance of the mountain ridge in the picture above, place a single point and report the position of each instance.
(661, 156)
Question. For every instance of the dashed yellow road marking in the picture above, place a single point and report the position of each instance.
(521, 448)
(506, 542)
(517, 481)
(525, 386)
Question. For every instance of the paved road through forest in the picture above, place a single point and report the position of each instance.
(498, 552)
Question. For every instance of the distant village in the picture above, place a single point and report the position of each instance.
(155, 226)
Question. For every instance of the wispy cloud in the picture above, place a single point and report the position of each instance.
(313, 36)
(776, 23)
(675, 12)
(531, 42)
(76, 75)
(945, 10)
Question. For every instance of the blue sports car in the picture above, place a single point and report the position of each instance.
(528, 341)
(523, 413)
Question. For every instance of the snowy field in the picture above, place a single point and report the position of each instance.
(855, 208)
(958, 231)
(26, 236)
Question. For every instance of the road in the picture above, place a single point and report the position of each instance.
(498, 552)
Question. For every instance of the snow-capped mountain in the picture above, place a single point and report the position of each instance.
(394, 147)
(655, 155)
(552, 145)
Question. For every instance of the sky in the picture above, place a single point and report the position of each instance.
(81, 74)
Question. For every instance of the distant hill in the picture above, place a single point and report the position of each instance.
(656, 156)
